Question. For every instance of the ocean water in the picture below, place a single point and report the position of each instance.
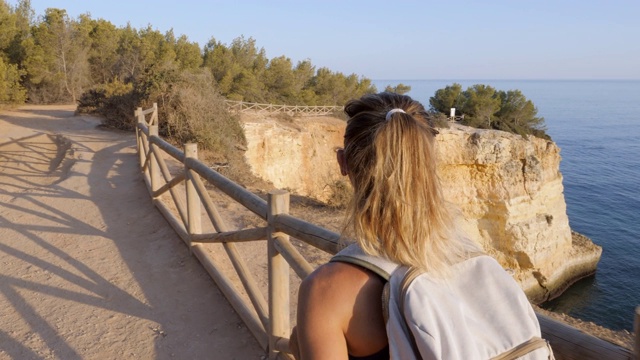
(596, 124)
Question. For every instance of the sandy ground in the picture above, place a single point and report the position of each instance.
(89, 268)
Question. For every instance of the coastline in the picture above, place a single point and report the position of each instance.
(582, 262)
(595, 124)
(618, 337)
(532, 238)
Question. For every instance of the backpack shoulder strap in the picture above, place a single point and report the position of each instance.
(526, 347)
(413, 272)
(353, 254)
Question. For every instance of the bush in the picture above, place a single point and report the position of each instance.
(116, 109)
(284, 117)
(341, 194)
(11, 92)
(91, 101)
(103, 100)
(194, 111)
(439, 120)
(190, 109)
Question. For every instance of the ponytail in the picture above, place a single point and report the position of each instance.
(398, 210)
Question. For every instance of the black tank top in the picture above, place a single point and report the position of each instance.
(380, 355)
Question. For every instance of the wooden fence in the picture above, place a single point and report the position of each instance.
(298, 110)
(269, 321)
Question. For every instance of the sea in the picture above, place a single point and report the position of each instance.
(596, 124)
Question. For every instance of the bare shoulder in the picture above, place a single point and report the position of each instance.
(336, 277)
(335, 289)
(343, 302)
(325, 308)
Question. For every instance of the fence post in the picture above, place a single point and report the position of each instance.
(194, 214)
(154, 115)
(636, 329)
(140, 115)
(279, 323)
(154, 171)
(140, 119)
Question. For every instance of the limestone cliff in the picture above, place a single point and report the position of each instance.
(509, 190)
(298, 155)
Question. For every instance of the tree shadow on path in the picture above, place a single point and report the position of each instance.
(88, 267)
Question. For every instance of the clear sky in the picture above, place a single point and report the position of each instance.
(398, 40)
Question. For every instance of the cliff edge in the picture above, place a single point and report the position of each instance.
(508, 188)
(510, 192)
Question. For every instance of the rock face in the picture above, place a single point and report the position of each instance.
(509, 190)
(297, 155)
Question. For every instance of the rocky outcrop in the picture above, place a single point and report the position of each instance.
(510, 193)
(298, 155)
(509, 190)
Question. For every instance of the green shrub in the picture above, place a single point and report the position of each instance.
(116, 109)
(103, 97)
(194, 111)
(190, 109)
(11, 92)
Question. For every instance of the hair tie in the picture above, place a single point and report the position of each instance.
(391, 112)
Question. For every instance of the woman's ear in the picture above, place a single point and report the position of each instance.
(342, 161)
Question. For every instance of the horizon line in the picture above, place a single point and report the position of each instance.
(510, 79)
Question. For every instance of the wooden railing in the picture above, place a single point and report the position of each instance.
(299, 110)
(269, 321)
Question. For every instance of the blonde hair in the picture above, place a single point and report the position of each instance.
(398, 210)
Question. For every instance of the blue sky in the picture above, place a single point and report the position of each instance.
(398, 40)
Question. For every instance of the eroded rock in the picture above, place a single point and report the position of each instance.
(508, 188)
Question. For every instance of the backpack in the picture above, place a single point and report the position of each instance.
(479, 312)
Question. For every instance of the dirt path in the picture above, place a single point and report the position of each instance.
(88, 268)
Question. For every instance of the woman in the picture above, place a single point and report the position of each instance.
(397, 212)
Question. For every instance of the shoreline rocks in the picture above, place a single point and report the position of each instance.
(581, 263)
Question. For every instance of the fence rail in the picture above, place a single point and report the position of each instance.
(299, 110)
(269, 321)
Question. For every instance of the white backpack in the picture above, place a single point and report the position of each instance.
(479, 312)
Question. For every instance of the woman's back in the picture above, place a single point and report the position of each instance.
(397, 213)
